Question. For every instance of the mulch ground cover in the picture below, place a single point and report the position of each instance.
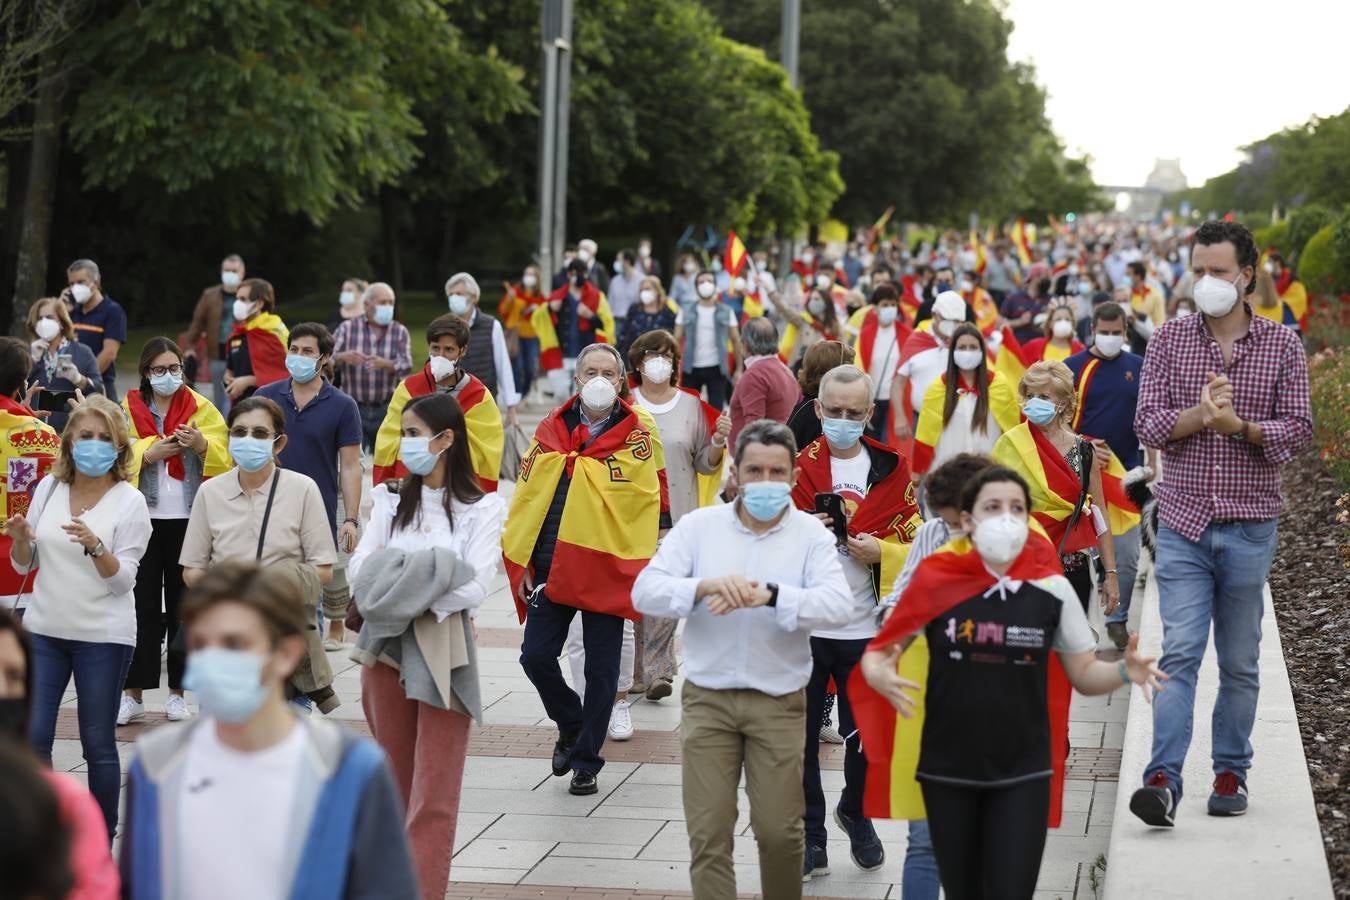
(1311, 584)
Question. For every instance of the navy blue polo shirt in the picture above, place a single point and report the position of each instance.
(1112, 395)
(315, 434)
(107, 321)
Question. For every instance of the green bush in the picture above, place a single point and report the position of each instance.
(1273, 236)
(1330, 382)
(1305, 222)
(1323, 270)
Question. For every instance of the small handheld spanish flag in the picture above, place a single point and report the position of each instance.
(734, 258)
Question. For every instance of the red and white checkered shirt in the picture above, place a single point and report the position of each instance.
(369, 385)
(1209, 476)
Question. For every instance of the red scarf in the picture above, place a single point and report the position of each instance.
(183, 408)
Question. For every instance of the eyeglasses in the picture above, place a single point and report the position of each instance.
(260, 433)
(159, 371)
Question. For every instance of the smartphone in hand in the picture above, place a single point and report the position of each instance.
(832, 505)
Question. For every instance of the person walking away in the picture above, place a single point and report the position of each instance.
(98, 319)
(256, 353)
(967, 409)
(753, 579)
(767, 389)
(424, 565)
(309, 806)
(212, 324)
(60, 362)
(373, 353)
(1224, 395)
(487, 358)
(447, 342)
(85, 534)
(704, 330)
(178, 439)
(576, 316)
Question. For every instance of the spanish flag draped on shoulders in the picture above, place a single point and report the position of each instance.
(28, 446)
(1002, 407)
(951, 577)
(1121, 512)
(186, 408)
(1054, 485)
(481, 416)
(616, 500)
(889, 511)
(596, 330)
(869, 324)
(267, 338)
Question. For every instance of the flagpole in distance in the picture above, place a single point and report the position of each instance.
(788, 57)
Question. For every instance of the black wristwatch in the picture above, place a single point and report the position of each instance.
(1241, 434)
(773, 594)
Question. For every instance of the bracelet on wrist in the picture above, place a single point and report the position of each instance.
(1124, 672)
(351, 520)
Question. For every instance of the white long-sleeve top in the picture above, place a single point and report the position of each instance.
(475, 539)
(765, 649)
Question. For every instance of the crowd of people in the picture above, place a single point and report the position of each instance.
(886, 486)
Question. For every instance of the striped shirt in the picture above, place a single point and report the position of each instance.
(367, 384)
(927, 540)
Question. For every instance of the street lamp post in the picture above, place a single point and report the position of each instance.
(554, 101)
(789, 43)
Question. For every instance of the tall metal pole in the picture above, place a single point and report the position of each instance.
(555, 82)
(789, 43)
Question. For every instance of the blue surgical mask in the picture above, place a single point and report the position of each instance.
(384, 314)
(166, 385)
(459, 304)
(1039, 411)
(302, 368)
(93, 458)
(841, 433)
(416, 456)
(228, 683)
(252, 454)
(766, 499)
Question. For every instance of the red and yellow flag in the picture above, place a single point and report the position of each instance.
(481, 416)
(1009, 360)
(544, 322)
(1002, 405)
(950, 576)
(610, 518)
(188, 408)
(734, 258)
(980, 259)
(1054, 486)
(267, 339)
(1022, 242)
(28, 447)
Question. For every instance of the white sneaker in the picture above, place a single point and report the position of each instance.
(130, 711)
(177, 709)
(620, 722)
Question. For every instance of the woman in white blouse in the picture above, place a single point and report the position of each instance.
(439, 506)
(85, 533)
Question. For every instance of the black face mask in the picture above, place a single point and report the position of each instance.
(13, 713)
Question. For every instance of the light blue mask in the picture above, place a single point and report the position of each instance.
(415, 455)
(166, 385)
(459, 304)
(250, 453)
(93, 458)
(228, 683)
(384, 314)
(1039, 411)
(841, 433)
(766, 499)
(302, 368)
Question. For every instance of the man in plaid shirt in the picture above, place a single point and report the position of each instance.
(373, 353)
(1224, 396)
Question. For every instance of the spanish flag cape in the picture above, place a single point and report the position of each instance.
(481, 415)
(266, 337)
(545, 321)
(889, 512)
(1054, 486)
(28, 447)
(187, 408)
(788, 343)
(950, 576)
(1002, 404)
(1120, 511)
(867, 326)
(1010, 359)
(1295, 297)
(986, 310)
(610, 518)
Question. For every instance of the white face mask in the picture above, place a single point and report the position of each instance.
(81, 293)
(598, 393)
(647, 295)
(242, 310)
(816, 307)
(47, 328)
(967, 286)
(529, 280)
(1000, 538)
(945, 328)
(706, 289)
(690, 268)
(583, 254)
(1109, 344)
(886, 315)
(230, 279)
(1216, 297)
(822, 281)
(967, 360)
(347, 299)
(738, 285)
(441, 367)
(644, 251)
(657, 370)
(1062, 328)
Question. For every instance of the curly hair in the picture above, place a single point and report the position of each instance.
(820, 358)
(1217, 231)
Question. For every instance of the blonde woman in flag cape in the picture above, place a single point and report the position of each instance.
(584, 520)
(256, 350)
(967, 409)
(447, 341)
(1062, 469)
(575, 316)
(986, 743)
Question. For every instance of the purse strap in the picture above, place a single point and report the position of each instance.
(267, 512)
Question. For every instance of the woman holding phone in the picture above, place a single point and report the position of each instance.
(60, 362)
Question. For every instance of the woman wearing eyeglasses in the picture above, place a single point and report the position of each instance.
(178, 439)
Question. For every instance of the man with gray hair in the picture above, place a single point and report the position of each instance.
(100, 322)
(373, 353)
(753, 578)
(212, 323)
(767, 388)
(488, 359)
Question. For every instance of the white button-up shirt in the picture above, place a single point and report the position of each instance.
(765, 649)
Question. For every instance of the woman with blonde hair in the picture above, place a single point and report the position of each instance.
(1066, 483)
(60, 361)
(652, 312)
(85, 532)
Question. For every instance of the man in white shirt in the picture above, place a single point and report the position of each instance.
(753, 578)
(924, 358)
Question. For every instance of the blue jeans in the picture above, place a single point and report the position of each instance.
(99, 671)
(919, 880)
(1127, 565)
(372, 417)
(1218, 578)
(525, 364)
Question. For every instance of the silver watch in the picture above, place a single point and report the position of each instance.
(99, 550)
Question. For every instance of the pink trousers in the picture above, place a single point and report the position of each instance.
(427, 748)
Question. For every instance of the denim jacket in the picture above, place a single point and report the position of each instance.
(723, 320)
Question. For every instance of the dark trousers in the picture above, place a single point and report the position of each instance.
(372, 417)
(876, 429)
(712, 378)
(829, 658)
(1081, 579)
(988, 841)
(159, 590)
(586, 722)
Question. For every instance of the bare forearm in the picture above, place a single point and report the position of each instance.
(1188, 423)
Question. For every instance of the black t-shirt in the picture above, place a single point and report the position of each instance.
(987, 718)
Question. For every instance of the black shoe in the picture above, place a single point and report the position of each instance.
(814, 862)
(562, 755)
(583, 783)
(1154, 802)
(863, 844)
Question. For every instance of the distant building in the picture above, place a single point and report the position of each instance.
(1166, 176)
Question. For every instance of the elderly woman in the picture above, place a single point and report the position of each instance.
(60, 362)
(1064, 477)
(652, 312)
(86, 531)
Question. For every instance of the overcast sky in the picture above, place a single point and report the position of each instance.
(1131, 80)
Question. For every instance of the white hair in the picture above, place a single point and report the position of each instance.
(369, 293)
(846, 375)
(588, 244)
(613, 351)
(469, 283)
(85, 265)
